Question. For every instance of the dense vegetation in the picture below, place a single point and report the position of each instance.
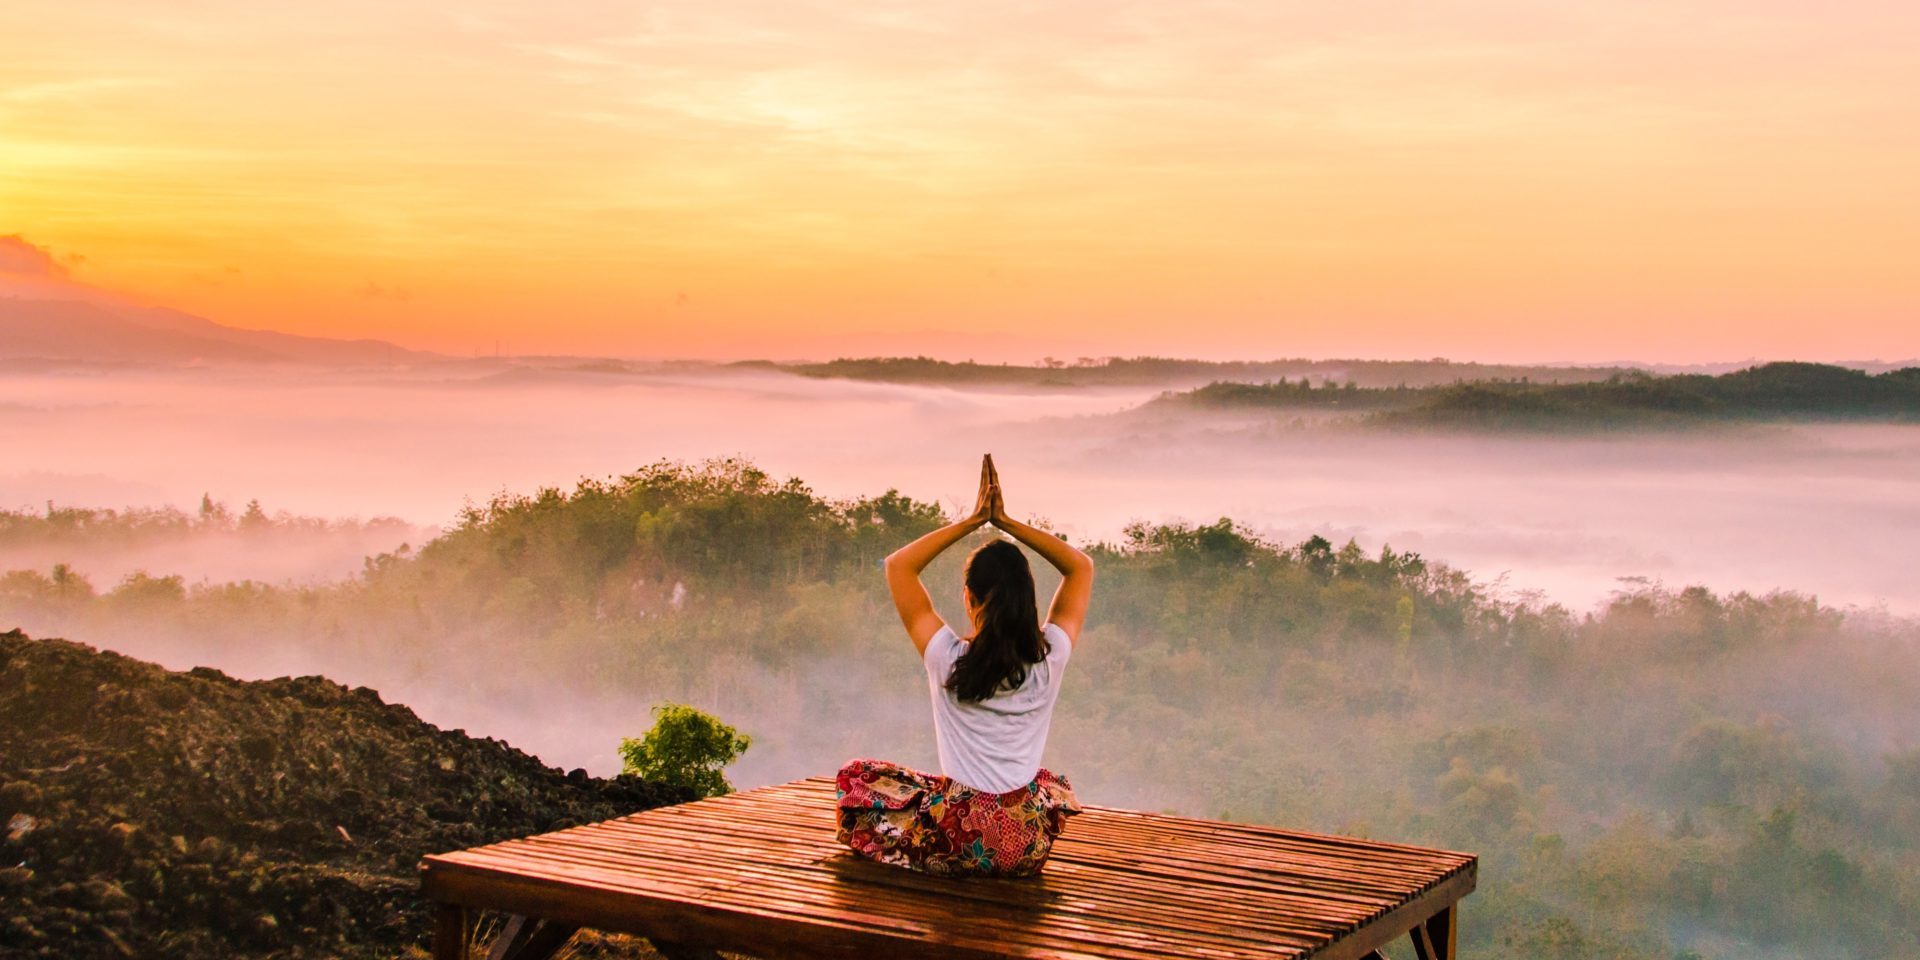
(1676, 774)
(1155, 371)
(216, 542)
(686, 750)
(143, 525)
(1626, 400)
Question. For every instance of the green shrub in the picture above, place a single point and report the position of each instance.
(685, 748)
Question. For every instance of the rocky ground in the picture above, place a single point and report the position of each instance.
(150, 813)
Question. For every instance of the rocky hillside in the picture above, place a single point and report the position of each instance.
(150, 813)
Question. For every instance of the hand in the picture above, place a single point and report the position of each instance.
(997, 505)
(983, 503)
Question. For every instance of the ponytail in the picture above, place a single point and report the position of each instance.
(1008, 641)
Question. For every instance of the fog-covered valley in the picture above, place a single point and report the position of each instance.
(1822, 508)
(1487, 641)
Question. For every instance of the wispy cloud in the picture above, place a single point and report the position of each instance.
(1324, 177)
(74, 90)
(20, 256)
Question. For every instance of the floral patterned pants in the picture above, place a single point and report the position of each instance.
(927, 822)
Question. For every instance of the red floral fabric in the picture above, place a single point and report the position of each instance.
(927, 822)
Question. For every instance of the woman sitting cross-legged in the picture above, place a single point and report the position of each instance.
(992, 810)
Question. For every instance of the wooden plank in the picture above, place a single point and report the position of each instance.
(977, 916)
(761, 933)
(762, 871)
(576, 860)
(577, 870)
(679, 859)
(1400, 920)
(1322, 877)
(1098, 930)
(1197, 918)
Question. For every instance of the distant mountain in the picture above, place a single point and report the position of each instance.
(74, 330)
(1176, 372)
(98, 332)
(46, 314)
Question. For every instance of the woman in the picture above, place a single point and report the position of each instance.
(992, 810)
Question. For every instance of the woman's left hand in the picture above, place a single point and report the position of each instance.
(983, 504)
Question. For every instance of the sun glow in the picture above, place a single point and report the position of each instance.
(1494, 179)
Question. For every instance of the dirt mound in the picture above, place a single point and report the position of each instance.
(153, 813)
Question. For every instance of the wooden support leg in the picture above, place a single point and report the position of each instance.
(1422, 946)
(512, 936)
(1443, 933)
(530, 938)
(450, 927)
(1435, 938)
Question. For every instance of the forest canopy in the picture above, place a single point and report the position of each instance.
(1623, 400)
(1676, 770)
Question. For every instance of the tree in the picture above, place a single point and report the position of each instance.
(255, 517)
(214, 514)
(685, 748)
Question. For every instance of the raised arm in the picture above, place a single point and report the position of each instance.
(903, 567)
(1069, 608)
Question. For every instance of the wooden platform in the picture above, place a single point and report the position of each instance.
(761, 873)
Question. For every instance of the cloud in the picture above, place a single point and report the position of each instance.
(66, 91)
(18, 256)
(374, 291)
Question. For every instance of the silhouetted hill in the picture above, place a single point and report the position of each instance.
(75, 330)
(1169, 371)
(1626, 400)
(101, 331)
(188, 814)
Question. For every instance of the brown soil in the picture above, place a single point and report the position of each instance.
(151, 813)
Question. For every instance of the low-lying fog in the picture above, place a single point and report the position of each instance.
(1827, 510)
(1729, 776)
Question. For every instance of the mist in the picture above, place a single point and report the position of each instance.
(1644, 765)
(1819, 508)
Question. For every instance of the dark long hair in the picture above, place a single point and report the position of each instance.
(1009, 639)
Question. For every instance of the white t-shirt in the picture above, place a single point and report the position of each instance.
(994, 745)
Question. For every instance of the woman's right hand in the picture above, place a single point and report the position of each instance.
(997, 504)
(983, 503)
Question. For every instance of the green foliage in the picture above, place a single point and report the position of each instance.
(1675, 770)
(1138, 371)
(141, 588)
(686, 748)
(144, 525)
(620, 546)
(1348, 398)
(1622, 400)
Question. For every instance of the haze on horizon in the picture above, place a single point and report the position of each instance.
(1820, 508)
(1680, 182)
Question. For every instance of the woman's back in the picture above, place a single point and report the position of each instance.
(993, 810)
(994, 745)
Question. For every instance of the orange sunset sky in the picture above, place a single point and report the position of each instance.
(1680, 180)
